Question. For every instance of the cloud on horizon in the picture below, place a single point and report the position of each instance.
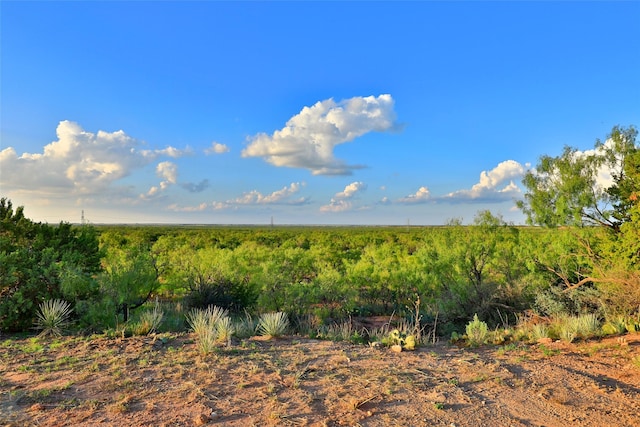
(340, 202)
(496, 185)
(308, 139)
(81, 163)
(254, 197)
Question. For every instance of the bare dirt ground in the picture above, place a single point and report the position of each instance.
(164, 381)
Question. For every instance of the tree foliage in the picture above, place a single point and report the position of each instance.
(596, 188)
(34, 259)
(585, 188)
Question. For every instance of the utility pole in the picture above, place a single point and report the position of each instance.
(82, 218)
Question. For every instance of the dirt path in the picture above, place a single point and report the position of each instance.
(163, 381)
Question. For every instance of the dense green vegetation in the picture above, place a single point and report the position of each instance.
(580, 256)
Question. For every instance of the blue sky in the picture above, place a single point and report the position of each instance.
(307, 112)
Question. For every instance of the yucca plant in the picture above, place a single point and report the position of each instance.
(52, 317)
(204, 325)
(225, 330)
(245, 327)
(273, 324)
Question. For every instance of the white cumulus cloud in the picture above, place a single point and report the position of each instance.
(339, 202)
(351, 190)
(168, 171)
(423, 195)
(308, 138)
(78, 162)
(494, 185)
(217, 148)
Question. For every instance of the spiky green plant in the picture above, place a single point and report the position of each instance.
(245, 327)
(52, 317)
(204, 325)
(225, 330)
(569, 328)
(273, 324)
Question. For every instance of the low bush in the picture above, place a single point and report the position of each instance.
(476, 331)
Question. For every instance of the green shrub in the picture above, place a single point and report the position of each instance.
(33, 259)
(476, 331)
(96, 316)
(555, 302)
(232, 295)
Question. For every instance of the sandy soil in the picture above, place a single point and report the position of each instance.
(163, 381)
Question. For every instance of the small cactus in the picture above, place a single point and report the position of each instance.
(410, 342)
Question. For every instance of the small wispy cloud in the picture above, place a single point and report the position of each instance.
(308, 139)
(168, 172)
(254, 197)
(198, 208)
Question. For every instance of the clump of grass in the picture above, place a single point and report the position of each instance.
(539, 331)
(343, 331)
(309, 324)
(378, 334)
(477, 331)
(149, 321)
(587, 325)
(52, 317)
(273, 324)
(569, 328)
